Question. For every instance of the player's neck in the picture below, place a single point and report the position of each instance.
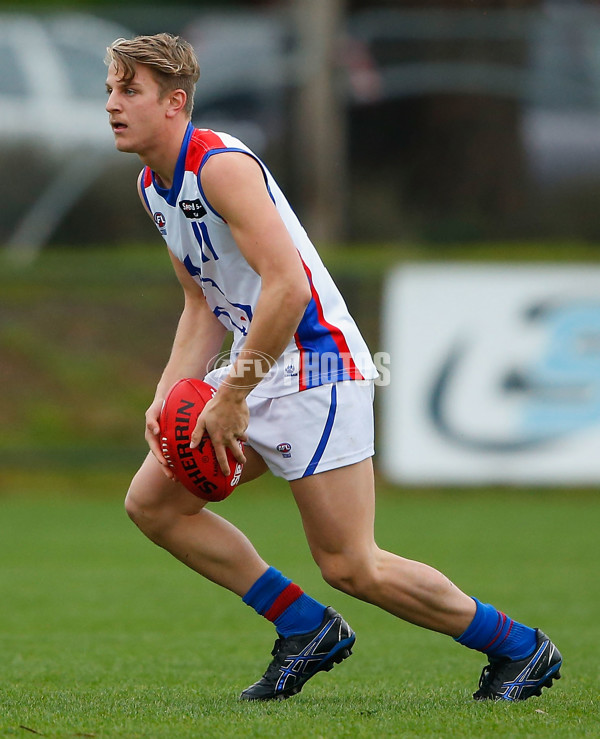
(162, 158)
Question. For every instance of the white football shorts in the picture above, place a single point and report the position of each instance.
(312, 431)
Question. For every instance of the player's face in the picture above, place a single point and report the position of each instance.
(135, 110)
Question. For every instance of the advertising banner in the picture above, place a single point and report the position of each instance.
(494, 374)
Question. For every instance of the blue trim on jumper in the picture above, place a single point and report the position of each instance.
(171, 195)
(223, 150)
(316, 458)
(322, 359)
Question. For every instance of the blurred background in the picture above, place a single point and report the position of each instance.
(437, 133)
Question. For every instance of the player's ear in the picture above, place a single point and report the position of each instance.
(177, 101)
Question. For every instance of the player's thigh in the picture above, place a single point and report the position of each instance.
(338, 510)
(254, 467)
(151, 488)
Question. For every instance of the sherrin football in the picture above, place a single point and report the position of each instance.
(196, 469)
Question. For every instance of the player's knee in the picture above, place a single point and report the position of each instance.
(132, 505)
(150, 519)
(346, 574)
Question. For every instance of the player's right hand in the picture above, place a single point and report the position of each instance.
(225, 419)
(152, 435)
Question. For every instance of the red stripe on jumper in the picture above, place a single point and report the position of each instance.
(201, 141)
(284, 600)
(334, 331)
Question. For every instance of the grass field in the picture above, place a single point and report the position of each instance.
(104, 635)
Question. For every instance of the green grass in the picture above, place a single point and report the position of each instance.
(104, 635)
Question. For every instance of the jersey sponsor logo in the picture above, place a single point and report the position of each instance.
(192, 209)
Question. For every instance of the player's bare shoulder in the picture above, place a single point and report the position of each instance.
(233, 181)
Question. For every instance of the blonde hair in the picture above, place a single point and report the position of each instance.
(171, 59)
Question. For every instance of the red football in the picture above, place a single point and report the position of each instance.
(196, 469)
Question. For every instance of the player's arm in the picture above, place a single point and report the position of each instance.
(198, 339)
(234, 185)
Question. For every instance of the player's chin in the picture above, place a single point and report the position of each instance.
(122, 144)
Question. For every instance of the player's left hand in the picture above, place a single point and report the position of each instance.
(225, 419)
(152, 435)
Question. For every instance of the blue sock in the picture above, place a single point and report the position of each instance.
(279, 600)
(497, 635)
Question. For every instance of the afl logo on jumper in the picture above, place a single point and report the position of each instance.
(285, 449)
(160, 221)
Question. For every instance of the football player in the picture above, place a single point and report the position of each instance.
(298, 391)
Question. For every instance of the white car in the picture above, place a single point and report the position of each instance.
(52, 98)
(52, 81)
